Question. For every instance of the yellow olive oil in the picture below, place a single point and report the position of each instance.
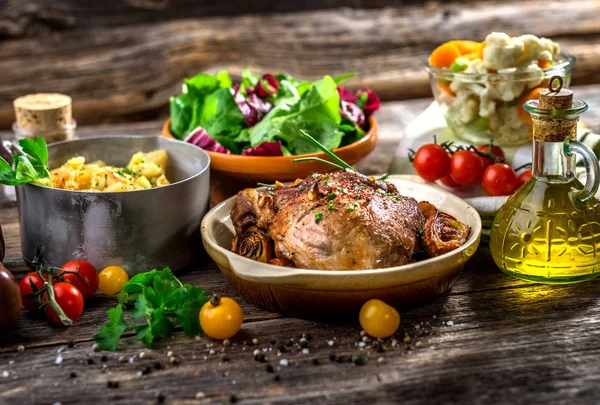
(544, 233)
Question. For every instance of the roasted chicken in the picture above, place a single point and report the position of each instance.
(340, 221)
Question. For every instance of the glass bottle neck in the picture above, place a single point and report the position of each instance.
(551, 162)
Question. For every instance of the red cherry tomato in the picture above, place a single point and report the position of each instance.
(449, 182)
(499, 179)
(69, 299)
(523, 177)
(495, 150)
(89, 280)
(466, 167)
(431, 162)
(26, 289)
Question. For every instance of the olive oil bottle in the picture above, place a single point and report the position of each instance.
(549, 230)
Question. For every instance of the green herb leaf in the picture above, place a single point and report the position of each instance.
(109, 335)
(186, 303)
(160, 299)
(340, 79)
(37, 154)
(318, 217)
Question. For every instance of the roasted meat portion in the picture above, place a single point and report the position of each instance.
(337, 221)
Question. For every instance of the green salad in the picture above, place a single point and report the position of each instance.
(263, 115)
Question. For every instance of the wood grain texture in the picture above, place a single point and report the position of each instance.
(122, 60)
(508, 342)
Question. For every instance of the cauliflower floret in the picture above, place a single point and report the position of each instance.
(538, 48)
(507, 126)
(501, 51)
(466, 107)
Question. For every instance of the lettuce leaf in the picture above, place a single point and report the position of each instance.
(316, 112)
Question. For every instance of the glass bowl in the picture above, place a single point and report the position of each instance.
(481, 107)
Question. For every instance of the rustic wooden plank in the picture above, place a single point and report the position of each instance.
(130, 71)
(505, 346)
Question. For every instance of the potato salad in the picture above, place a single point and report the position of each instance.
(481, 87)
(144, 171)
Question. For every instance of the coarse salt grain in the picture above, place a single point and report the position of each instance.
(450, 323)
(5, 374)
(284, 362)
(305, 351)
(362, 344)
(330, 342)
(59, 359)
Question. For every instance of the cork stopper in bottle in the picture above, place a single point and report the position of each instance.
(554, 129)
(43, 111)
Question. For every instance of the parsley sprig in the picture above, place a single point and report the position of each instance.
(31, 166)
(157, 302)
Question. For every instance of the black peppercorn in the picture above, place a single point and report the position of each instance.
(276, 378)
(282, 348)
(233, 399)
(332, 357)
(73, 374)
(90, 361)
(104, 358)
(269, 368)
(112, 384)
(315, 362)
(160, 398)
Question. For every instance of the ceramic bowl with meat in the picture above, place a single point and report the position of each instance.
(330, 242)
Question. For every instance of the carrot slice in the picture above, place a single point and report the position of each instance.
(532, 95)
(544, 64)
(443, 56)
(445, 88)
(480, 50)
(466, 47)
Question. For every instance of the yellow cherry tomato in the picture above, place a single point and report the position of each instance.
(379, 319)
(221, 317)
(112, 280)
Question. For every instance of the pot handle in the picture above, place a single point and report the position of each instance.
(8, 149)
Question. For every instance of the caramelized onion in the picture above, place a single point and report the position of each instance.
(443, 233)
(253, 243)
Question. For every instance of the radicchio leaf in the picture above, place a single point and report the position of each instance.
(267, 85)
(200, 137)
(252, 107)
(352, 112)
(346, 95)
(371, 101)
(264, 149)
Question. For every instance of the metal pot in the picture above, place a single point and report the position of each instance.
(137, 230)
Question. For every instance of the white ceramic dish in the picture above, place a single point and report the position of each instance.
(313, 293)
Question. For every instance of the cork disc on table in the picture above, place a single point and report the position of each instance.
(43, 111)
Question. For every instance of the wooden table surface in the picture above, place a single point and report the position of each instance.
(491, 339)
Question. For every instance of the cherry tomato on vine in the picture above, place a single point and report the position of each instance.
(112, 280)
(487, 161)
(69, 299)
(379, 319)
(26, 289)
(431, 162)
(499, 179)
(466, 167)
(524, 177)
(83, 275)
(449, 182)
(221, 317)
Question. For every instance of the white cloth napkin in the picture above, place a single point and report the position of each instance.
(431, 122)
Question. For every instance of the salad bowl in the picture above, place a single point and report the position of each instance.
(232, 173)
(319, 293)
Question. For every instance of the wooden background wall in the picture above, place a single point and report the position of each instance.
(121, 59)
